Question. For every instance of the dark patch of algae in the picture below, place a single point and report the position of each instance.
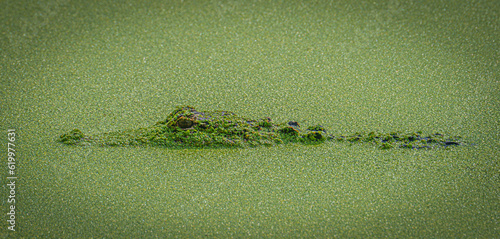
(187, 127)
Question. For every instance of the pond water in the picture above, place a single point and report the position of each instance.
(350, 66)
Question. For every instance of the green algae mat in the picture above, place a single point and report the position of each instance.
(296, 119)
(188, 127)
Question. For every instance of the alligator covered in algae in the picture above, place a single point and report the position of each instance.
(187, 127)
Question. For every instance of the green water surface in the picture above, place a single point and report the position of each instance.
(350, 66)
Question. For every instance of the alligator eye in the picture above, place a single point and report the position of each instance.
(184, 122)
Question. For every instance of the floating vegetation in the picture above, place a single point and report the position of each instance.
(187, 127)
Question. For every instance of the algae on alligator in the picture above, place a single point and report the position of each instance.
(187, 127)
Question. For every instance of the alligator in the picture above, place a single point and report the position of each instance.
(187, 127)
